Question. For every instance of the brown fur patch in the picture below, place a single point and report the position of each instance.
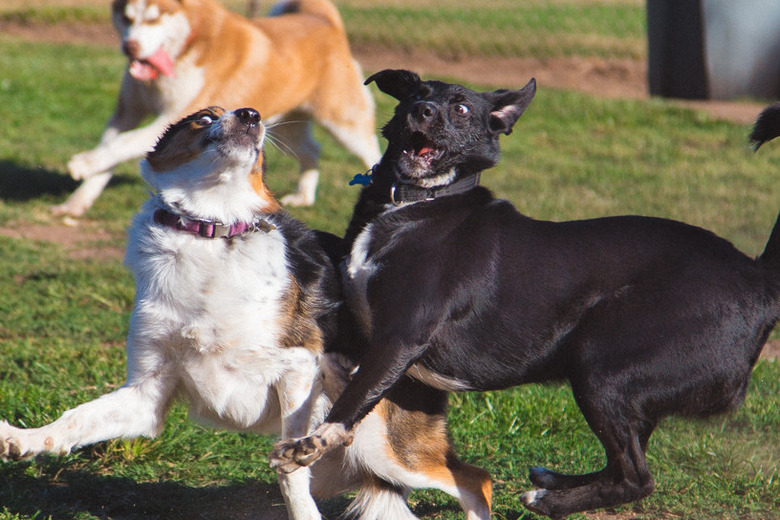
(418, 440)
(182, 141)
(299, 327)
(257, 180)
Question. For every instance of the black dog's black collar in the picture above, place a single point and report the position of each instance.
(403, 193)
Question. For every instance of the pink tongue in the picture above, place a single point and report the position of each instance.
(424, 150)
(162, 62)
(148, 69)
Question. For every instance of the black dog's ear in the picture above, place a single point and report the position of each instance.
(767, 126)
(509, 105)
(397, 83)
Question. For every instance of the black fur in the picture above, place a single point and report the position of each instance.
(644, 317)
(767, 126)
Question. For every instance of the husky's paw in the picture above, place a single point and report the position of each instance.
(68, 209)
(297, 200)
(82, 166)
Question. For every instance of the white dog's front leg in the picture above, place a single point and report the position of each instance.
(130, 411)
(300, 397)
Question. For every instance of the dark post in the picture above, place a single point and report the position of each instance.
(676, 61)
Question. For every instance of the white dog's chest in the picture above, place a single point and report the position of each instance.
(210, 313)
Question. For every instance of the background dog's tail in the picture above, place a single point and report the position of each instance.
(322, 8)
(767, 126)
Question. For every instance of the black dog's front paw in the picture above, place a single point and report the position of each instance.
(542, 502)
(289, 456)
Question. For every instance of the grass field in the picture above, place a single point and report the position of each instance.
(64, 315)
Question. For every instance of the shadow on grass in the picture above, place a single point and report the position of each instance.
(72, 494)
(23, 183)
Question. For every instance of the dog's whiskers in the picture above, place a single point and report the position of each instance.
(281, 145)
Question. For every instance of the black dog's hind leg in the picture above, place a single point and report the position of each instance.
(624, 479)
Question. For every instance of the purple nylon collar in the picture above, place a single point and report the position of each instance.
(208, 228)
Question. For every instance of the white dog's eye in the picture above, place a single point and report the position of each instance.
(206, 120)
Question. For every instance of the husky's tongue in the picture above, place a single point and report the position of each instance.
(148, 69)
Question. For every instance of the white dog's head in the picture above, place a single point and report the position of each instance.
(210, 165)
(153, 33)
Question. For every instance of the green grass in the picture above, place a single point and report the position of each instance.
(63, 320)
(527, 30)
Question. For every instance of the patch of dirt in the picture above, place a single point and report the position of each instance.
(82, 239)
(81, 34)
(771, 350)
(609, 78)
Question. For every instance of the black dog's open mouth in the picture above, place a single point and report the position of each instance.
(422, 151)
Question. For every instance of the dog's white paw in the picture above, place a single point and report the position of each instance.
(297, 200)
(529, 497)
(10, 447)
(82, 166)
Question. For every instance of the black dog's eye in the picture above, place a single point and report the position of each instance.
(462, 109)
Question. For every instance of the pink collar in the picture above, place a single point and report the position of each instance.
(209, 228)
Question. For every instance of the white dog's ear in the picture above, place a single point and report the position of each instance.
(508, 106)
(398, 83)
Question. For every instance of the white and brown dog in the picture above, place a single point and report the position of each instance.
(186, 54)
(236, 303)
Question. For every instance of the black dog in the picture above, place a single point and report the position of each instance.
(645, 317)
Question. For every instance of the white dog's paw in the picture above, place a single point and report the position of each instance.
(82, 166)
(10, 448)
(297, 199)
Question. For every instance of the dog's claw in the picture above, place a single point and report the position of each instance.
(289, 456)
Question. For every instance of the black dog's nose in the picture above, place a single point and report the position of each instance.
(424, 110)
(248, 116)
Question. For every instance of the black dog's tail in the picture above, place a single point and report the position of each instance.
(767, 126)
(771, 255)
